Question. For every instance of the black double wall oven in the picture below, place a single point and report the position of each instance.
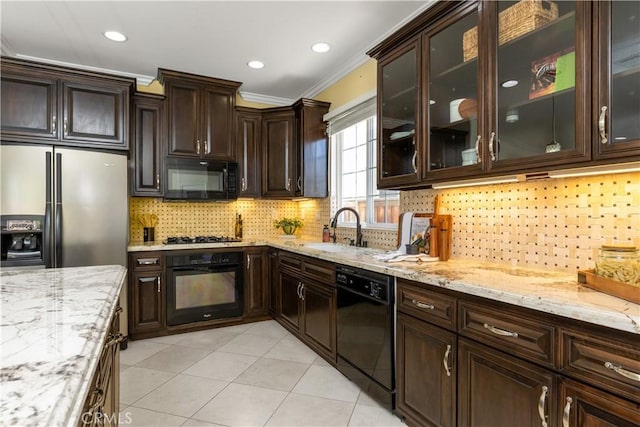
(203, 286)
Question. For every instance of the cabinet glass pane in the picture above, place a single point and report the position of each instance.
(399, 99)
(625, 71)
(536, 78)
(453, 94)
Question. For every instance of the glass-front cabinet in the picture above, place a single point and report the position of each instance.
(617, 101)
(399, 116)
(537, 79)
(453, 95)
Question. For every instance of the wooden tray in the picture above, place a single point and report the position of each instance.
(625, 291)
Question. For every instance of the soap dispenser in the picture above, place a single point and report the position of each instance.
(326, 235)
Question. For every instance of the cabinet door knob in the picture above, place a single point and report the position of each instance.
(248, 262)
(567, 412)
(198, 146)
(299, 183)
(414, 160)
(243, 185)
(478, 157)
(542, 405)
(445, 360)
(288, 184)
(64, 126)
(54, 124)
(602, 125)
(158, 284)
(158, 181)
(207, 147)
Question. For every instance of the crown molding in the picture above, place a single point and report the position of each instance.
(362, 57)
(266, 99)
(141, 79)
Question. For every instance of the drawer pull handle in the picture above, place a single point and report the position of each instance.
(115, 339)
(445, 360)
(566, 412)
(541, 406)
(500, 332)
(421, 304)
(621, 371)
(147, 261)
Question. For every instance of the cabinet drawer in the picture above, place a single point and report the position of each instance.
(293, 262)
(427, 305)
(146, 261)
(604, 362)
(513, 332)
(324, 272)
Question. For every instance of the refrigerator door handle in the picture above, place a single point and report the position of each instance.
(46, 241)
(58, 219)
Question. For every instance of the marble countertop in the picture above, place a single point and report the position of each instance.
(544, 290)
(54, 323)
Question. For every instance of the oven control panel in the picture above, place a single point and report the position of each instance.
(205, 258)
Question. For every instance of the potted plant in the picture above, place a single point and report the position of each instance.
(288, 225)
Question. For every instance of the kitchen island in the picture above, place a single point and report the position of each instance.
(54, 326)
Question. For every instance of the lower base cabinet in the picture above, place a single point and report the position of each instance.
(426, 374)
(256, 283)
(306, 304)
(513, 366)
(102, 404)
(496, 389)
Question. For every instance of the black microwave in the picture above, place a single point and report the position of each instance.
(200, 180)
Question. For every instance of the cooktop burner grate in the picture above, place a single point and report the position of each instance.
(184, 240)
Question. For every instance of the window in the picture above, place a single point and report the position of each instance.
(354, 154)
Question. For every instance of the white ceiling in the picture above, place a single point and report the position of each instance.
(212, 38)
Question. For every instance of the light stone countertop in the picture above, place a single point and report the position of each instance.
(54, 323)
(544, 290)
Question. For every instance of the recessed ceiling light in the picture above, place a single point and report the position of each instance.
(115, 36)
(256, 65)
(321, 47)
(510, 83)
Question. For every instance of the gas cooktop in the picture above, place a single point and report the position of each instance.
(184, 240)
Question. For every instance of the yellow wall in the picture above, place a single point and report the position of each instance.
(355, 84)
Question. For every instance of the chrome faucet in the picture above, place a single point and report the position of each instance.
(334, 223)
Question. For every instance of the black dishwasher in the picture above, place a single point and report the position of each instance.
(366, 332)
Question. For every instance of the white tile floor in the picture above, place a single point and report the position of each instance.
(256, 374)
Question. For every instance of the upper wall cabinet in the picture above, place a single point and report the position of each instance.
(148, 131)
(506, 87)
(248, 149)
(200, 115)
(312, 168)
(279, 153)
(399, 113)
(616, 103)
(43, 103)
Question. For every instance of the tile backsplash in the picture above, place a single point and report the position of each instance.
(552, 223)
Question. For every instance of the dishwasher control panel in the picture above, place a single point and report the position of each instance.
(374, 285)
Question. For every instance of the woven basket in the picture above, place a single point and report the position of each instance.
(519, 19)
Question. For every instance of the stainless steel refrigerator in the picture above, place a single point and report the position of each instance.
(78, 199)
(80, 195)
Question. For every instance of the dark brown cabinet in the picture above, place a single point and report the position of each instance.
(307, 302)
(312, 167)
(426, 372)
(501, 390)
(101, 406)
(584, 406)
(248, 151)
(43, 103)
(616, 129)
(147, 135)
(147, 309)
(279, 153)
(467, 91)
(256, 282)
(200, 115)
(274, 277)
